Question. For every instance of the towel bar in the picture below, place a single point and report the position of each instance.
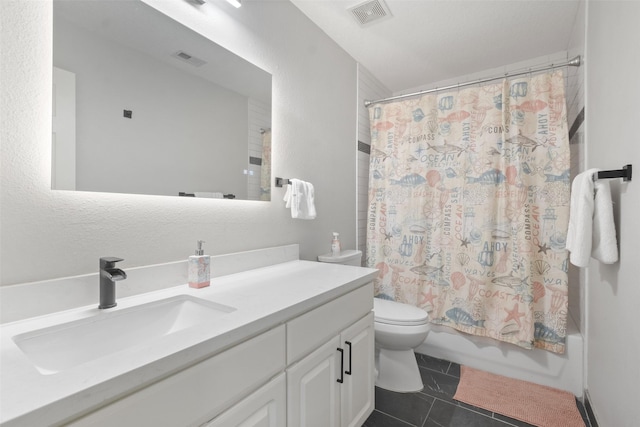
(624, 173)
(282, 181)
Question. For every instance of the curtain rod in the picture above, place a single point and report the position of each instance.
(575, 62)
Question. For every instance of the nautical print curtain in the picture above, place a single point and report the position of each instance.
(469, 205)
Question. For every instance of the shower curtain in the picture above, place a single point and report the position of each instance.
(469, 205)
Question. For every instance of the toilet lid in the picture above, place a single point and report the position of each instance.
(397, 313)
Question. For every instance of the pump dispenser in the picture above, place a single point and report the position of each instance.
(199, 273)
(335, 245)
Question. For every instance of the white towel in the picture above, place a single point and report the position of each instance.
(287, 197)
(300, 198)
(591, 231)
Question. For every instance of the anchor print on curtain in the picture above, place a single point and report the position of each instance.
(469, 205)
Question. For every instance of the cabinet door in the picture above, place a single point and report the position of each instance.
(357, 400)
(313, 392)
(266, 407)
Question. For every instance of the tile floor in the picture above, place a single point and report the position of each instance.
(434, 406)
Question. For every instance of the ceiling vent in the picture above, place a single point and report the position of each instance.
(370, 11)
(189, 59)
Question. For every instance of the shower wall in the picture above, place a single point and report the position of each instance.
(259, 119)
(369, 88)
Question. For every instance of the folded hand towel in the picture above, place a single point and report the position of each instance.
(300, 198)
(310, 199)
(287, 197)
(604, 246)
(591, 228)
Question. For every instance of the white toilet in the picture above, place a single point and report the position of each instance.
(399, 328)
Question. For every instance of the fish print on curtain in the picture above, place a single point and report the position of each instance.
(469, 206)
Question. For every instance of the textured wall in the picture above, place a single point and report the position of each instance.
(613, 291)
(47, 234)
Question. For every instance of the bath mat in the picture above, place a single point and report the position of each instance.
(532, 403)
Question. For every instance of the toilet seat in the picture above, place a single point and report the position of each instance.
(397, 313)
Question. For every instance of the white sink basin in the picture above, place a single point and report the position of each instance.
(67, 345)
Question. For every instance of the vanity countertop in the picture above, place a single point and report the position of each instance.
(263, 298)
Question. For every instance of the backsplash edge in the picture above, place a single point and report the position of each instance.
(26, 300)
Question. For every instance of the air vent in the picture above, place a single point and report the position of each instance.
(189, 59)
(370, 11)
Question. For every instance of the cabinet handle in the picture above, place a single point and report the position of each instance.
(350, 350)
(341, 379)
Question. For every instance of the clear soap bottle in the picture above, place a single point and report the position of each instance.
(335, 245)
(199, 272)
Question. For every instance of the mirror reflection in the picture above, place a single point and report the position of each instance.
(144, 105)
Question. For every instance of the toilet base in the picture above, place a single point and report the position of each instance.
(398, 371)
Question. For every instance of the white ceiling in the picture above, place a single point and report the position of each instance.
(427, 41)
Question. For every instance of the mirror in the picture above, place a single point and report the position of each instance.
(144, 105)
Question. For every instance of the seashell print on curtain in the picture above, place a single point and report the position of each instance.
(469, 207)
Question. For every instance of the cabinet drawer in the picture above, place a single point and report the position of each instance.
(200, 392)
(266, 407)
(309, 331)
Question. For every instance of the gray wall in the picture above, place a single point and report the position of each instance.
(613, 291)
(47, 234)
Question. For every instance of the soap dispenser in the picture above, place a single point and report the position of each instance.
(199, 273)
(335, 245)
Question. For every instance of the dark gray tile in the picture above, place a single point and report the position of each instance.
(378, 419)
(410, 407)
(439, 385)
(512, 421)
(432, 363)
(454, 370)
(473, 408)
(583, 413)
(445, 414)
(591, 415)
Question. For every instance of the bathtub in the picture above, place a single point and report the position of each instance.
(562, 371)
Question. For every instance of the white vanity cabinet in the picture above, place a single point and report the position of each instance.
(266, 407)
(357, 390)
(333, 386)
(200, 392)
(316, 369)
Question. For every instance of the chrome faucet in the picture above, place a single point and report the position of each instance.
(109, 275)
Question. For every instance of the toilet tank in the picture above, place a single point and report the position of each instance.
(348, 257)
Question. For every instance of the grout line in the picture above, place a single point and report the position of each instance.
(428, 413)
(439, 372)
(448, 367)
(395, 418)
(470, 410)
(503, 421)
(453, 402)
